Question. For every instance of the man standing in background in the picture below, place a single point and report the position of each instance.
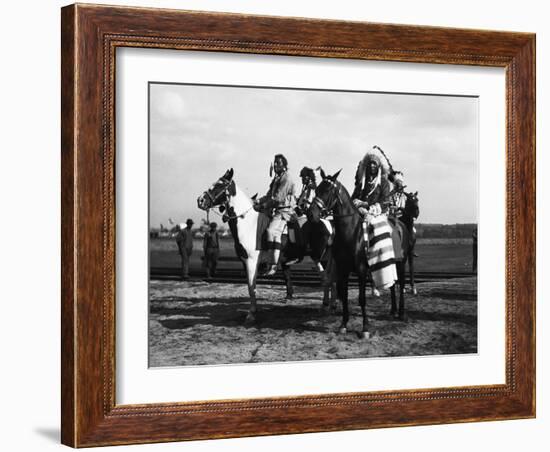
(211, 247)
(184, 239)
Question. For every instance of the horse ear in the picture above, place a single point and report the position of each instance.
(415, 194)
(232, 189)
(337, 174)
(254, 197)
(323, 175)
(230, 174)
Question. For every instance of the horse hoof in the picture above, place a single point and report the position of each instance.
(364, 335)
(342, 330)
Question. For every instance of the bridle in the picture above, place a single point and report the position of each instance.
(226, 190)
(327, 208)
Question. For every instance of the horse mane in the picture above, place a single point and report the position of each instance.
(342, 189)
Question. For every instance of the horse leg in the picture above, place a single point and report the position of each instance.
(363, 303)
(329, 288)
(326, 302)
(333, 292)
(374, 291)
(393, 311)
(401, 277)
(251, 265)
(288, 281)
(343, 291)
(411, 272)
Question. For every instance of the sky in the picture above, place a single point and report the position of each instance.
(197, 132)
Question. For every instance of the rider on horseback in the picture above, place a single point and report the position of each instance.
(308, 191)
(371, 196)
(372, 188)
(279, 202)
(398, 198)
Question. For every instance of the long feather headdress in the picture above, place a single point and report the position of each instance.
(378, 157)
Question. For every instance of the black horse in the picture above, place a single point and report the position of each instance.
(348, 251)
(411, 211)
(320, 237)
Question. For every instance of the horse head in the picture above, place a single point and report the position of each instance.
(327, 195)
(411, 205)
(219, 193)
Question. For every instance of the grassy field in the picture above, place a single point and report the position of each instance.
(441, 255)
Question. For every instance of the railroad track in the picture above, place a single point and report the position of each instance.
(300, 276)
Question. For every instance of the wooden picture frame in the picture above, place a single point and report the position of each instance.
(90, 36)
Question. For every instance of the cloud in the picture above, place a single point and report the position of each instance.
(197, 132)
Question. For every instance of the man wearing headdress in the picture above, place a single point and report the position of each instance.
(372, 189)
(279, 201)
(371, 196)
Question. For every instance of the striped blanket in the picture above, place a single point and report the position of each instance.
(380, 255)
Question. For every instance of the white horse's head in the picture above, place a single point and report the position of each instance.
(219, 193)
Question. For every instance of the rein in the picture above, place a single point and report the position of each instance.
(225, 217)
(328, 208)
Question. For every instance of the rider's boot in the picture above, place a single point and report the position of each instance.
(272, 267)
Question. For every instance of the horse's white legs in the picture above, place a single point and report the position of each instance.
(251, 265)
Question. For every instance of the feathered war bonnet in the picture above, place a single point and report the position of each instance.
(372, 155)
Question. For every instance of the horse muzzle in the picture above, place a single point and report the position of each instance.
(203, 202)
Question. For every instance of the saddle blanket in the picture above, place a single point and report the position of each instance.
(380, 255)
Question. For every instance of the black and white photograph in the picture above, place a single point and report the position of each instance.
(297, 224)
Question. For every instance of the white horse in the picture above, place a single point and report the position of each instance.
(243, 222)
(243, 219)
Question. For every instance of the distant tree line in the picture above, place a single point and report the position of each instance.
(433, 231)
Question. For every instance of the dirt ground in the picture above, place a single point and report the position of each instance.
(193, 323)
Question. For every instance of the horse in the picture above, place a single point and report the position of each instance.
(411, 211)
(243, 219)
(349, 254)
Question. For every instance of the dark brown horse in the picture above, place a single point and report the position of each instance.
(411, 211)
(348, 250)
(320, 237)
